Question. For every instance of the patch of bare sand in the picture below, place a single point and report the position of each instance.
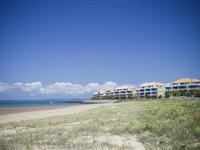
(120, 141)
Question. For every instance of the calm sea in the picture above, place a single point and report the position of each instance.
(31, 103)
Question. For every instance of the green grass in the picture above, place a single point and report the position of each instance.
(164, 124)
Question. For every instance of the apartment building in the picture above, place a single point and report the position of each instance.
(184, 84)
(121, 92)
(181, 87)
(151, 90)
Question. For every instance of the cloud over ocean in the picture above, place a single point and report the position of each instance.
(57, 87)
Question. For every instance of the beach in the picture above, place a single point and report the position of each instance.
(28, 113)
(128, 125)
(12, 110)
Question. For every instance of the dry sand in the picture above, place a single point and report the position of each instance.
(123, 141)
(19, 114)
(42, 112)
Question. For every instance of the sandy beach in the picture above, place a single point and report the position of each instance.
(13, 110)
(27, 113)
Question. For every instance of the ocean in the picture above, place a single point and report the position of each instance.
(31, 103)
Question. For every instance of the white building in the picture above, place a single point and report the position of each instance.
(187, 86)
(121, 92)
(151, 90)
(184, 84)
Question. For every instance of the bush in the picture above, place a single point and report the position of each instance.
(195, 93)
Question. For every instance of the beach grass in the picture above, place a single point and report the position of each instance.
(157, 124)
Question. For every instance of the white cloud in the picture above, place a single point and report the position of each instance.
(59, 87)
(63, 87)
(32, 86)
(4, 87)
(91, 87)
(108, 86)
(69, 88)
(94, 87)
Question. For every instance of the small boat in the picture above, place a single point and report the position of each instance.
(50, 102)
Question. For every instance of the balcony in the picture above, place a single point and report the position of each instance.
(154, 89)
(194, 87)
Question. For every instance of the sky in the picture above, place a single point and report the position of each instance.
(65, 49)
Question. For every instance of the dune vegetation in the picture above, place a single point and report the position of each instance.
(157, 124)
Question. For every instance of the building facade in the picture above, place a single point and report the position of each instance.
(183, 87)
(151, 90)
(121, 92)
(184, 84)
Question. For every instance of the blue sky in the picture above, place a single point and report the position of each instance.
(103, 43)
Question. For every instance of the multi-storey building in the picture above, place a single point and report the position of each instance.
(182, 87)
(121, 92)
(151, 90)
(184, 84)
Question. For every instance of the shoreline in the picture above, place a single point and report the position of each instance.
(20, 114)
(20, 109)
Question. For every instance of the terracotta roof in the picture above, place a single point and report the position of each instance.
(152, 84)
(186, 80)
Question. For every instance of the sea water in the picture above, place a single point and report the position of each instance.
(31, 103)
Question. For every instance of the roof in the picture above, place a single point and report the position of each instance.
(152, 84)
(186, 80)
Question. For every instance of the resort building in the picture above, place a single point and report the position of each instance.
(151, 90)
(183, 87)
(184, 84)
(121, 92)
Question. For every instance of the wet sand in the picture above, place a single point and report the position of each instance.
(27, 113)
(12, 110)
